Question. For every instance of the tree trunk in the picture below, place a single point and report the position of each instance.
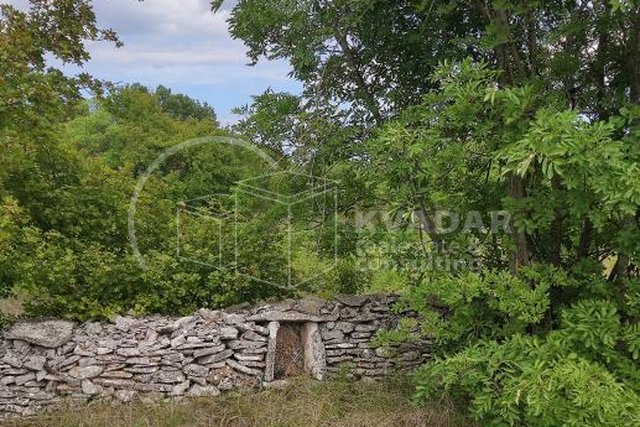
(556, 231)
(363, 89)
(520, 255)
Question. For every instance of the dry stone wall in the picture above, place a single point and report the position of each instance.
(45, 363)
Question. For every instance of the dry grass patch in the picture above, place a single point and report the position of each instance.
(13, 306)
(303, 403)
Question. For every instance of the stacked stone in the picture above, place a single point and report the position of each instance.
(155, 357)
(349, 341)
(24, 381)
(44, 363)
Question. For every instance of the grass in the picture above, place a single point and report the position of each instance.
(302, 403)
(12, 306)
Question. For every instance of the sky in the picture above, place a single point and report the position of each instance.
(182, 45)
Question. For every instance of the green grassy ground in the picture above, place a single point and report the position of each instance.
(302, 403)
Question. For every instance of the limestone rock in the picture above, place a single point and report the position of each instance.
(124, 323)
(170, 377)
(345, 327)
(253, 336)
(332, 335)
(178, 341)
(245, 344)
(243, 357)
(253, 364)
(103, 350)
(90, 388)
(153, 387)
(116, 374)
(360, 335)
(366, 328)
(195, 370)
(310, 305)
(12, 359)
(21, 379)
(7, 379)
(197, 390)
(50, 333)
(215, 358)
(243, 369)
(128, 352)
(284, 316)
(35, 363)
(125, 395)
(180, 389)
(84, 372)
(314, 352)
(271, 351)
(211, 315)
(206, 351)
(142, 369)
(352, 300)
(228, 333)
(41, 375)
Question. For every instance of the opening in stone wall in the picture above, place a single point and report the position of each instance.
(298, 350)
(289, 360)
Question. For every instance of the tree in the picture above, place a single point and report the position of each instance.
(33, 97)
(373, 59)
(183, 107)
(271, 121)
(541, 120)
(32, 93)
(374, 56)
(455, 150)
(71, 254)
(68, 167)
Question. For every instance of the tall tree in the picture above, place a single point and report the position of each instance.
(34, 97)
(183, 107)
(31, 90)
(376, 56)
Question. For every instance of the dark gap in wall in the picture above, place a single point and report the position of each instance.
(289, 360)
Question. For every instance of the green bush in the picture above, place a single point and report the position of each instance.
(547, 332)
(528, 380)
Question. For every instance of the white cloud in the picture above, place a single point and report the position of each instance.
(161, 17)
(167, 56)
(183, 45)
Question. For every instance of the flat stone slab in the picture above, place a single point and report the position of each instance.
(310, 305)
(50, 333)
(353, 300)
(284, 316)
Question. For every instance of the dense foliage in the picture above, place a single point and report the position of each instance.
(541, 120)
(521, 108)
(69, 166)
